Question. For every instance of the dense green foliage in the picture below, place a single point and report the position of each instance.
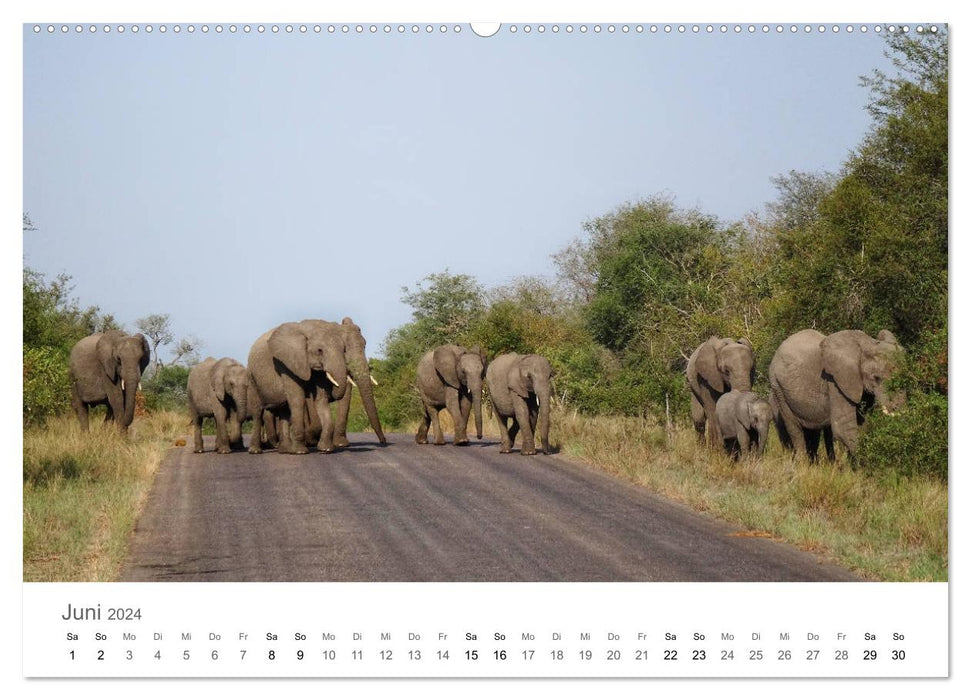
(647, 282)
(166, 389)
(53, 323)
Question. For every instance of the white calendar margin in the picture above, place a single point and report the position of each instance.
(568, 10)
(188, 622)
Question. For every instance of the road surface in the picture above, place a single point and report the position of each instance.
(407, 512)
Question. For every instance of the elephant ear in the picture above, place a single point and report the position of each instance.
(288, 344)
(707, 365)
(517, 380)
(146, 352)
(841, 360)
(217, 380)
(106, 355)
(446, 366)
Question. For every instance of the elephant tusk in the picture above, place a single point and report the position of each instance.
(331, 378)
(373, 380)
(122, 384)
(139, 386)
(351, 380)
(537, 399)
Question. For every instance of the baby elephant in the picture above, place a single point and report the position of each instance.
(219, 388)
(743, 420)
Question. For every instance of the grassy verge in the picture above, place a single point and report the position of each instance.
(883, 527)
(83, 493)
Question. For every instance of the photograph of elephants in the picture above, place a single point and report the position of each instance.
(570, 302)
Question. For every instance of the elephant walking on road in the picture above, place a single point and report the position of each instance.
(451, 376)
(717, 366)
(822, 385)
(219, 389)
(105, 369)
(298, 369)
(520, 387)
(743, 421)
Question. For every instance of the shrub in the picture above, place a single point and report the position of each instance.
(167, 389)
(47, 388)
(911, 442)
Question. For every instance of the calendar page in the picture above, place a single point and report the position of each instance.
(413, 346)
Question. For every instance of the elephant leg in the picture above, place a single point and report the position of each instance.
(256, 437)
(196, 429)
(297, 403)
(698, 418)
(506, 443)
(436, 425)
(513, 432)
(109, 414)
(312, 420)
(790, 432)
(731, 448)
(116, 406)
(812, 443)
(219, 413)
(843, 421)
(741, 435)
(80, 408)
(270, 426)
(455, 410)
(321, 407)
(714, 433)
(340, 426)
(421, 437)
(828, 441)
(284, 440)
(522, 417)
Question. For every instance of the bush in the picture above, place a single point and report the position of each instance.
(47, 388)
(166, 390)
(912, 442)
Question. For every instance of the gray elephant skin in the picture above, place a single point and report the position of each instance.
(105, 369)
(743, 421)
(219, 389)
(451, 376)
(520, 387)
(717, 366)
(298, 370)
(823, 385)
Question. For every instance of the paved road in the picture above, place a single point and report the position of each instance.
(405, 512)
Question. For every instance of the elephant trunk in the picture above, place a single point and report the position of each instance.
(763, 434)
(130, 377)
(359, 370)
(242, 410)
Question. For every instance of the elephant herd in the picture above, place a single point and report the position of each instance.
(294, 373)
(819, 386)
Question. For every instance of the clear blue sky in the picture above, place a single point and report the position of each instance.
(239, 181)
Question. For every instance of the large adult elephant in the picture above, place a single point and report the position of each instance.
(105, 369)
(219, 389)
(520, 387)
(717, 366)
(822, 385)
(299, 368)
(450, 376)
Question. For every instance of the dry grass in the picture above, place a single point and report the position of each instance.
(880, 526)
(84, 491)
